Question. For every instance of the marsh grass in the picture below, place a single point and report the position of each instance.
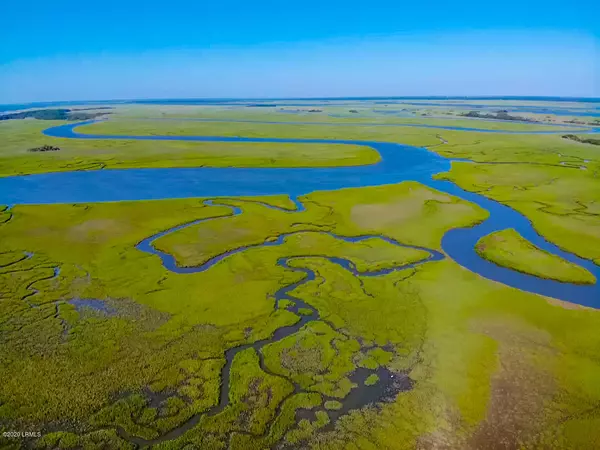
(18, 136)
(271, 115)
(466, 342)
(561, 202)
(507, 248)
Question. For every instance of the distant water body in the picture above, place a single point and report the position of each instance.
(398, 163)
(238, 101)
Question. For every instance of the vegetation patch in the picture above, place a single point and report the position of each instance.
(44, 148)
(317, 358)
(498, 115)
(333, 405)
(253, 397)
(77, 154)
(305, 311)
(372, 380)
(507, 248)
(559, 199)
(55, 114)
(306, 231)
(583, 140)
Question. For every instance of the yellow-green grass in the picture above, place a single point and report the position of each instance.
(124, 125)
(489, 363)
(307, 428)
(431, 113)
(565, 120)
(366, 115)
(77, 154)
(372, 380)
(278, 430)
(562, 203)
(583, 139)
(95, 439)
(317, 358)
(253, 398)
(517, 148)
(397, 211)
(375, 357)
(195, 245)
(152, 334)
(94, 246)
(505, 103)
(333, 405)
(407, 135)
(507, 248)
(19, 136)
(520, 149)
(552, 181)
(481, 147)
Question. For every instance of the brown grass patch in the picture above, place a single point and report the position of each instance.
(565, 304)
(520, 388)
(381, 215)
(98, 230)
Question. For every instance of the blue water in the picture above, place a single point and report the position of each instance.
(288, 101)
(93, 304)
(398, 163)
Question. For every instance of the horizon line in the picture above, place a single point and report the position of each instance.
(263, 99)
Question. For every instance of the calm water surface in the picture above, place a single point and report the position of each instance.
(398, 163)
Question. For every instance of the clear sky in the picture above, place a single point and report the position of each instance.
(81, 50)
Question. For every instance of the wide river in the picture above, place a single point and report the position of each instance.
(398, 163)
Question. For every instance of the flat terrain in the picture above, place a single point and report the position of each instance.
(18, 136)
(509, 249)
(327, 319)
(561, 201)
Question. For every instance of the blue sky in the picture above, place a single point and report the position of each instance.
(75, 50)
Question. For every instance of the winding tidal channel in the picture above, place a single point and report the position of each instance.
(389, 383)
(398, 163)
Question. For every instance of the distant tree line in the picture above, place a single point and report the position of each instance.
(54, 114)
(93, 108)
(498, 115)
(582, 140)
